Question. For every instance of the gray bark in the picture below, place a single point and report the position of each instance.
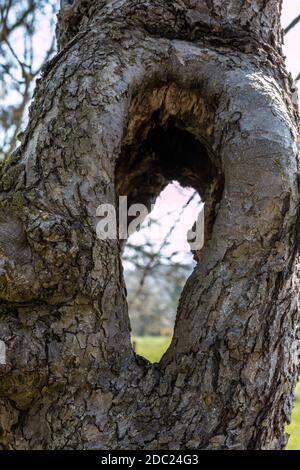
(142, 93)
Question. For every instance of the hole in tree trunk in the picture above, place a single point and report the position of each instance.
(157, 260)
(162, 151)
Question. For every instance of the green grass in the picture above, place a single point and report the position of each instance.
(153, 348)
(293, 429)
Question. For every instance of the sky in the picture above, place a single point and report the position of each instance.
(291, 9)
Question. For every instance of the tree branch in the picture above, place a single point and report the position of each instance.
(292, 24)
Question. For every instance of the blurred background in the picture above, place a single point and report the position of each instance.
(157, 260)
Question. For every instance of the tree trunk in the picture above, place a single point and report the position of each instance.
(142, 93)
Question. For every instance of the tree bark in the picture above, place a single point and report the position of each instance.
(142, 93)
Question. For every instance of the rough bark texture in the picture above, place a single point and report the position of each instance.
(142, 92)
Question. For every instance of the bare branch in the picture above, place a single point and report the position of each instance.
(292, 24)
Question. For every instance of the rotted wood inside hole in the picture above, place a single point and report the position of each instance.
(169, 138)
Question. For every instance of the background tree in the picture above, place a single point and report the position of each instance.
(21, 60)
(156, 269)
(141, 94)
